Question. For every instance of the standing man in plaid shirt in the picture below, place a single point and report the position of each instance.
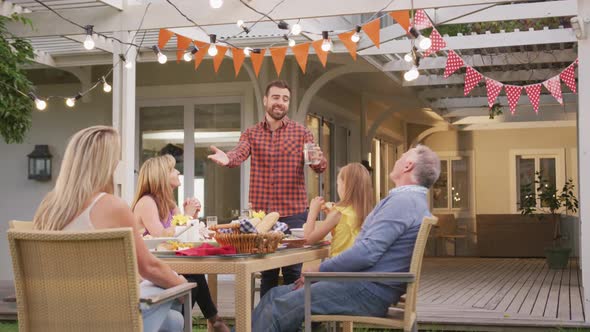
(277, 181)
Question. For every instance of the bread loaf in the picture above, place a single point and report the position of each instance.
(267, 222)
(255, 221)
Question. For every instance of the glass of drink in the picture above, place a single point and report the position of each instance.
(211, 221)
(310, 154)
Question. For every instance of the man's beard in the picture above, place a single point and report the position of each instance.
(276, 116)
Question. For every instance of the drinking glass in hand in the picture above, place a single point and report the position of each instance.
(310, 154)
(211, 221)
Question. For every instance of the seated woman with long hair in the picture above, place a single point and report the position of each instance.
(154, 207)
(83, 200)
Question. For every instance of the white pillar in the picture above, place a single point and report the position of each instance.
(365, 144)
(189, 151)
(124, 115)
(584, 149)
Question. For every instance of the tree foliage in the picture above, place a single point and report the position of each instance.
(15, 107)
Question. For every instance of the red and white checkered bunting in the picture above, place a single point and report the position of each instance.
(438, 43)
(472, 77)
(493, 87)
(421, 20)
(569, 77)
(534, 93)
(554, 86)
(454, 62)
(513, 94)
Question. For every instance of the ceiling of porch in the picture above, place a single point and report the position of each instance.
(511, 57)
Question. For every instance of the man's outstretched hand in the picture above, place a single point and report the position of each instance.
(218, 156)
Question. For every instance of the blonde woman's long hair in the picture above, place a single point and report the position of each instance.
(87, 168)
(154, 180)
(358, 190)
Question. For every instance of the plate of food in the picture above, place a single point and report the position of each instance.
(172, 246)
(152, 242)
(293, 242)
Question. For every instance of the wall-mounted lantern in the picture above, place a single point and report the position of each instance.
(40, 163)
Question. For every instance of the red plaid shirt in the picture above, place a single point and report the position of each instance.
(277, 182)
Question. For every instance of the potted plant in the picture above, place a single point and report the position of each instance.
(553, 202)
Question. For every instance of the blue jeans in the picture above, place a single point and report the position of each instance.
(270, 278)
(282, 309)
(165, 317)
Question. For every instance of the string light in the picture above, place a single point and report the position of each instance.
(290, 41)
(326, 44)
(40, 104)
(283, 25)
(71, 102)
(212, 51)
(356, 36)
(106, 87)
(161, 57)
(296, 29)
(424, 43)
(242, 26)
(412, 74)
(215, 4)
(89, 41)
(188, 55)
(409, 57)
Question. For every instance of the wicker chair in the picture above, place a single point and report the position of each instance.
(398, 317)
(81, 281)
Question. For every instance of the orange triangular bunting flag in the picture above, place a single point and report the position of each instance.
(201, 53)
(219, 57)
(402, 18)
(182, 43)
(322, 55)
(257, 59)
(239, 56)
(278, 58)
(373, 30)
(301, 52)
(350, 45)
(163, 37)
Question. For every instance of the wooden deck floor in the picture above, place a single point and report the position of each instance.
(487, 294)
(472, 294)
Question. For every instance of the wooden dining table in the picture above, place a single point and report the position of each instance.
(243, 267)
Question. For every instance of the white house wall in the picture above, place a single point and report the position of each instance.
(19, 197)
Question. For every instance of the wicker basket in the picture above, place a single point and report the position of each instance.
(254, 243)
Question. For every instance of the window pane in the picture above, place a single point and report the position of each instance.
(219, 187)
(525, 168)
(327, 151)
(312, 179)
(547, 169)
(162, 132)
(460, 183)
(440, 195)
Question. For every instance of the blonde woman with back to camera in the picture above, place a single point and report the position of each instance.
(83, 200)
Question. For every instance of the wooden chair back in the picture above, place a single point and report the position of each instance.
(75, 281)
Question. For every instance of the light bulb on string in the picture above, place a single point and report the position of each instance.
(161, 57)
(247, 51)
(409, 57)
(424, 43)
(106, 87)
(412, 74)
(188, 55)
(296, 29)
(71, 102)
(212, 51)
(40, 104)
(356, 37)
(243, 26)
(216, 4)
(89, 41)
(326, 44)
(289, 40)
(128, 64)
